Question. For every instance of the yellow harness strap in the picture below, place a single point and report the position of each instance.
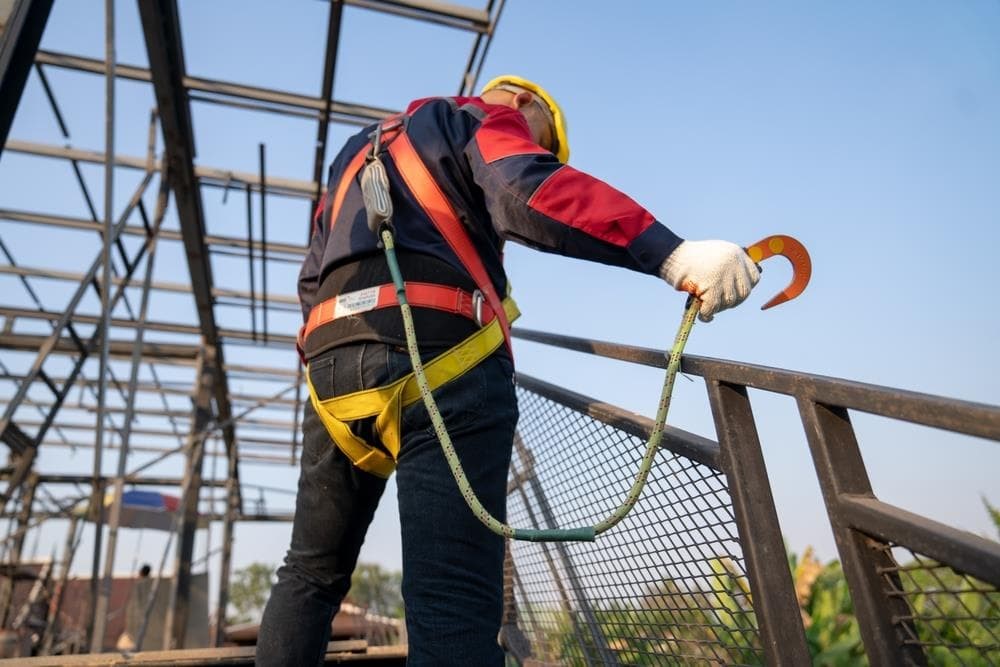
(386, 403)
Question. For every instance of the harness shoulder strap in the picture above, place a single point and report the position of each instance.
(428, 194)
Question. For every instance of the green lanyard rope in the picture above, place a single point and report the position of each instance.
(582, 534)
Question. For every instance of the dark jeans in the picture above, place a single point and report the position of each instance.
(452, 564)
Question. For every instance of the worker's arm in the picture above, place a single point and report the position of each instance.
(534, 199)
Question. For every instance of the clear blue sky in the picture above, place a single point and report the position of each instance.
(867, 130)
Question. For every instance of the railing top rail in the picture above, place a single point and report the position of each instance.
(690, 445)
(970, 418)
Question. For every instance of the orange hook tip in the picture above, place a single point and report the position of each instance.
(796, 253)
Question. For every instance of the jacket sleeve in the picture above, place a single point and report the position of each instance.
(534, 199)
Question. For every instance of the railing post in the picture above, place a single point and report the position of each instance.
(775, 606)
(841, 470)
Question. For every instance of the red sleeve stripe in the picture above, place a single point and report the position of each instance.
(592, 206)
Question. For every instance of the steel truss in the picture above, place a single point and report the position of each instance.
(116, 356)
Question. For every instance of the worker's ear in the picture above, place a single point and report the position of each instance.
(522, 99)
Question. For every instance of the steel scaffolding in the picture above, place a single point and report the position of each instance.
(128, 365)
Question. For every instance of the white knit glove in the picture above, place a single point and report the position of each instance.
(719, 273)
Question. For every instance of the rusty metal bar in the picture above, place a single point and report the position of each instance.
(48, 343)
(263, 239)
(290, 302)
(104, 591)
(175, 627)
(689, 445)
(959, 549)
(225, 92)
(19, 41)
(777, 611)
(326, 94)
(225, 562)
(14, 555)
(295, 252)
(98, 616)
(841, 471)
(447, 14)
(253, 280)
(208, 176)
(970, 418)
(73, 535)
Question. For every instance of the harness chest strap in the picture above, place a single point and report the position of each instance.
(386, 403)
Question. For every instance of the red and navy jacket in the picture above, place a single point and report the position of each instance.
(501, 184)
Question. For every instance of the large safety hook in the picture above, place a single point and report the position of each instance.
(795, 252)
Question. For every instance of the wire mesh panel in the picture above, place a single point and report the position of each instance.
(956, 618)
(666, 586)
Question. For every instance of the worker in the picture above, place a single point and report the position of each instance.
(465, 174)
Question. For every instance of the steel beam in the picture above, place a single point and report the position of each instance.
(98, 618)
(70, 478)
(211, 176)
(19, 39)
(431, 11)
(175, 627)
(23, 523)
(277, 340)
(276, 249)
(225, 561)
(773, 591)
(162, 30)
(225, 92)
(120, 349)
(153, 388)
(885, 621)
(177, 288)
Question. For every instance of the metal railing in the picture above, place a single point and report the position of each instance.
(698, 573)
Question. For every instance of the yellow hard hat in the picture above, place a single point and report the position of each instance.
(558, 119)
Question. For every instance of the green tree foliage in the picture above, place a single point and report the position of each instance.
(249, 589)
(377, 590)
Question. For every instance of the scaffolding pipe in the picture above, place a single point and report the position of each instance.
(73, 535)
(104, 592)
(225, 562)
(14, 556)
(253, 280)
(46, 345)
(97, 499)
(175, 626)
(263, 240)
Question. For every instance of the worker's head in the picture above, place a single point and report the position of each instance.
(545, 118)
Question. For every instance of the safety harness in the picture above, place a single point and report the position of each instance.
(491, 313)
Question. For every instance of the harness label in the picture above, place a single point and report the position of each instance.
(352, 303)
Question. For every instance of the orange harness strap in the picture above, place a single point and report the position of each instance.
(437, 207)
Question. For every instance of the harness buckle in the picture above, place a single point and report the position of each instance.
(401, 122)
(477, 308)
